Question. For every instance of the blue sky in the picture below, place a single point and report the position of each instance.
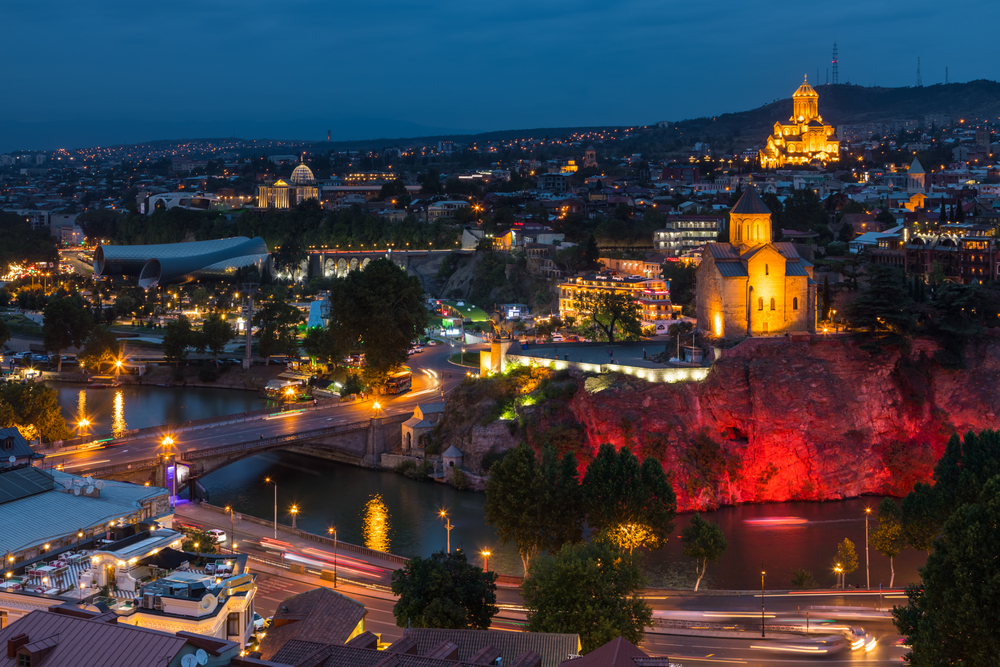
(296, 68)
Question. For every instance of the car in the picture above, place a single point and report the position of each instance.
(557, 337)
(258, 622)
(431, 342)
(219, 535)
(40, 358)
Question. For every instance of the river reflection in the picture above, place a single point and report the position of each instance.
(114, 410)
(782, 536)
(377, 525)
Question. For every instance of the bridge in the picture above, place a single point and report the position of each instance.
(360, 443)
(338, 263)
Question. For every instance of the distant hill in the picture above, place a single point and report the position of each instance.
(847, 105)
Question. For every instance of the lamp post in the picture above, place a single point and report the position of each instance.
(232, 529)
(838, 570)
(868, 581)
(295, 514)
(762, 573)
(333, 531)
(486, 560)
(447, 527)
(268, 480)
(376, 406)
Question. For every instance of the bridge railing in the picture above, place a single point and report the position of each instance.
(273, 440)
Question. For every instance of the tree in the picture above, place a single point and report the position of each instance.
(887, 538)
(847, 559)
(611, 312)
(444, 591)
(803, 579)
(199, 541)
(882, 308)
(34, 409)
(67, 323)
(703, 541)
(633, 504)
(4, 332)
(952, 616)
(101, 345)
(592, 589)
(381, 310)
(215, 333)
(176, 339)
(276, 328)
(920, 522)
(827, 299)
(535, 504)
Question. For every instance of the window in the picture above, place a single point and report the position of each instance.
(772, 303)
(760, 303)
(233, 624)
(795, 303)
(23, 660)
(8, 443)
(767, 271)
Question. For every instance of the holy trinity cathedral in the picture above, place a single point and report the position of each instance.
(806, 139)
(751, 285)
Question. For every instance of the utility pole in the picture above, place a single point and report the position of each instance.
(836, 73)
(762, 573)
(250, 289)
(868, 580)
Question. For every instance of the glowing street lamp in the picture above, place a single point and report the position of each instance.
(486, 560)
(839, 570)
(268, 481)
(295, 514)
(376, 406)
(332, 530)
(868, 581)
(447, 526)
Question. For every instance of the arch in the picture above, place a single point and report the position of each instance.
(364, 262)
(329, 268)
(409, 442)
(756, 233)
(795, 303)
(354, 264)
(772, 303)
(760, 303)
(341, 268)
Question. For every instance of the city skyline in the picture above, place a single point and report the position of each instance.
(246, 70)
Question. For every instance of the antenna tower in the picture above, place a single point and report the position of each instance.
(946, 76)
(836, 73)
(920, 82)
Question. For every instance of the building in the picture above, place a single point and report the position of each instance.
(590, 158)
(89, 637)
(650, 267)
(685, 233)
(425, 416)
(319, 615)
(753, 286)
(14, 449)
(554, 182)
(281, 194)
(963, 252)
(181, 262)
(651, 295)
(805, 139)
(445, 209)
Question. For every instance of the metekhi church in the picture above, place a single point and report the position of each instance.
(752, 286)
(805, 140)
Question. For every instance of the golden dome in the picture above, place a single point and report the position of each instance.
(302, 174)
(805, 90)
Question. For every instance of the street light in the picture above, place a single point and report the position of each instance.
(868, 581)
(268, 480)
(376, 406)
(486, 560)
(232, 529)
(447, 527)
(762, 573)
(838, 570)
(295, 514)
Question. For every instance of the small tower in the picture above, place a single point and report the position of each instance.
(590, 157)
(805, 103)
(750, 220)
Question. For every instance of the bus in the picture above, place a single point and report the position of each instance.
(398, 382)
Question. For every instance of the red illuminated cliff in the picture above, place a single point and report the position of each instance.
(779, 420)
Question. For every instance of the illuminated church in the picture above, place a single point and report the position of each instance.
(753, 286)
(806, 139)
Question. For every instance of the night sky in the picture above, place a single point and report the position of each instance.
(83, 73)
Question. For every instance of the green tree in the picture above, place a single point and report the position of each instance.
(101, 345)
(847, 559)
(176, 339)
(199, 541)
(535, 504)
(216, 332)
(803, 579)
(34, 409)
(633, 504)
(612, 313)
(704, 541)
(276, 329)
(379, 310)
(444, 591)
(887, 538)
(883, 307)
(590, 588)
(952, 616)
(920, 521)
(4, 331)
(67, 323)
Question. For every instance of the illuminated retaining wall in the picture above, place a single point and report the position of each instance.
(665, 374)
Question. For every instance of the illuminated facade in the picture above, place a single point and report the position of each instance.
(806, 139)
(651, 295)
(281, 194)
(753, 286)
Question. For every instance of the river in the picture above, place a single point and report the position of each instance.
(391, 512)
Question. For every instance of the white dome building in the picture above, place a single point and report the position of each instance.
(302, 175)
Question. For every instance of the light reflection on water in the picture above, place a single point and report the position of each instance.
(377, 525)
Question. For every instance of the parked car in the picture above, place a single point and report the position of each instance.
(219, 535)
(258, 622)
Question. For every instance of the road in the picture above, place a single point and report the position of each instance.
(440, 378)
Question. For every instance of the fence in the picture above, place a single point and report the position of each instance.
(321, 539)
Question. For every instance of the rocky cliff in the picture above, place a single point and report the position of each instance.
(777, 420)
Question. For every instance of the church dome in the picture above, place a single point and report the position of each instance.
(302, 174)
(805, 90)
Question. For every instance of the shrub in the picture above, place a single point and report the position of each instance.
(491, 457)
(459, 479)
(352, 385)
(803, 579)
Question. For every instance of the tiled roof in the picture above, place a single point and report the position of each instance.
(795, 269)
(787, 249)
(299, 653)
(318, 615)
(732, 269)
(722, 250)
(750, 204)
(86, 642)
(618, 652)
(552, 647)
(21, 448)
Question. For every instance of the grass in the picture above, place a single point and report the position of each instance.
(470, 359)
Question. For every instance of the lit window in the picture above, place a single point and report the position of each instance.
(795, 303)
(760, 303)
(772, 303)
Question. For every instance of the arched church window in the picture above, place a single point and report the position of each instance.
(756, 232)
(795, 303)
(767, 270)
(772, 303)
(760, 303)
